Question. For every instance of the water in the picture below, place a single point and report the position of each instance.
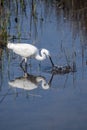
(40, 100)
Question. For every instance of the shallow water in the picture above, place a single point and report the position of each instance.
(40, 100)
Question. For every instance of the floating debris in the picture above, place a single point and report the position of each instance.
(62, 69)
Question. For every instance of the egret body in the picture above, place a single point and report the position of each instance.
(29, 51)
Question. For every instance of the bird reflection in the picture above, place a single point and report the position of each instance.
(29, 82)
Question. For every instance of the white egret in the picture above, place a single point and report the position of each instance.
(29, 51)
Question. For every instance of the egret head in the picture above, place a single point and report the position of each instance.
(46, 52)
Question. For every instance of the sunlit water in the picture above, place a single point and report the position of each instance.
(26, 104)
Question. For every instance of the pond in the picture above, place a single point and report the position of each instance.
(40, 99)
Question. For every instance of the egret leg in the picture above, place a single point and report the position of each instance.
(22, 62)
(25, 64)
(25, 67)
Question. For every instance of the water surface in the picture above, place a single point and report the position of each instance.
(43, 101)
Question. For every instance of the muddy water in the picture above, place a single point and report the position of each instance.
(39, 99)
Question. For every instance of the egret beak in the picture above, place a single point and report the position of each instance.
(51, 61)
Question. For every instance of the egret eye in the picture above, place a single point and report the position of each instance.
(44, 84)
(44, 53)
